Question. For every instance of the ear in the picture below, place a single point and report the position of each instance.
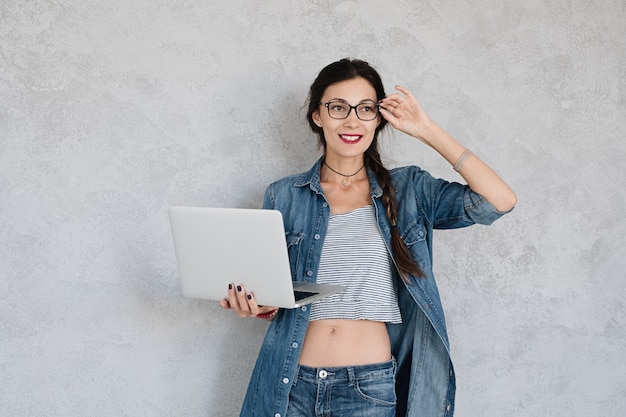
(316, 118)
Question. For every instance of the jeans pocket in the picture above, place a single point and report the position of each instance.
(379, 391)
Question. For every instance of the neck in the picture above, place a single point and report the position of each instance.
(343, 164)
(347, 176)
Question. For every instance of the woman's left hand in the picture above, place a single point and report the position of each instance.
(404, 112)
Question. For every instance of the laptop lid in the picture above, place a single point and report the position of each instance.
(218, 246)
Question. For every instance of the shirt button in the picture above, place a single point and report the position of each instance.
(285, 380)
(294, 345)
(303, 308)
(309, 273)
(277, 415)
(316, 237)
(448, 408)
(323, 374)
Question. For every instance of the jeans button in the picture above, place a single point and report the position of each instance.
(323, 374)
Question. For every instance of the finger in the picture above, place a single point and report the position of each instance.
(233, 301)
(225, 303)
(254, 307)
(404, 91)
(243, 300)
(395, 103)
(391, 100)
(388, 115)
(388, 103)
(385, 108)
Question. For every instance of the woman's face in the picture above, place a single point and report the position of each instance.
(349, 137)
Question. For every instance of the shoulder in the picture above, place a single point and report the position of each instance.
(409, 175)
(288, 184)
(289, 180)
(414, 183)
(405, 170)
(298, 180)
(296, 188)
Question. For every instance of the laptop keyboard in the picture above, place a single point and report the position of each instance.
(303, 294)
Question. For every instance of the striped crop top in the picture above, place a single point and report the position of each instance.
(354, 255)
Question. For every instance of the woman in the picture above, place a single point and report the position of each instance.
(380, 348)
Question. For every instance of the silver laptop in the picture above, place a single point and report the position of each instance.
(218, 246)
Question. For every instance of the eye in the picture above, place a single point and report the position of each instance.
(338, 106)
(367, 108)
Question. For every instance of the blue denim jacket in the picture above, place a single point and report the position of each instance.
(425, 379)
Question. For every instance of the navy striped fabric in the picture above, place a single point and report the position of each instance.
(354, 255)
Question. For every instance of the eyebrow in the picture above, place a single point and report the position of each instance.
(366, 100)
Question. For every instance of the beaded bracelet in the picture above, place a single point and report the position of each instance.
(461, 161)
(270, 314)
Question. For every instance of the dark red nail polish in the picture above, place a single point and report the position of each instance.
(238, 287)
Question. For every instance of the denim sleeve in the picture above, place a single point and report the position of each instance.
(450, 205)
(268, 198)
(480, 210)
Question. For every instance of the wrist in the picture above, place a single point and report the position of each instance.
(461, 161)
(431, 135)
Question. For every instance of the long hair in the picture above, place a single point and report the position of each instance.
(347, 69)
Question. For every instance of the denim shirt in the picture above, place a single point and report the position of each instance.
(425, 384)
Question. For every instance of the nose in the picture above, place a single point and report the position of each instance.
(352, 117)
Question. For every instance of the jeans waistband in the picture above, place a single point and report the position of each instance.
(347, 373)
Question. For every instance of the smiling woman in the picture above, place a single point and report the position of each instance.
(369, 229)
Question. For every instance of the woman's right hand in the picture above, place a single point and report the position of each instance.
(243, 303)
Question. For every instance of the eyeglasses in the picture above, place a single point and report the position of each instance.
(339, 109)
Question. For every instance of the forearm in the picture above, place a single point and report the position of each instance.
(478, 175)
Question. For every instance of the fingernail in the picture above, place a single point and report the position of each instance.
(249, 297)
(230, 286)
(238, 287)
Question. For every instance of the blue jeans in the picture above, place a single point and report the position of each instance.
(364, 391)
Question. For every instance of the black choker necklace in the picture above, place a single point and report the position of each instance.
(346, 181)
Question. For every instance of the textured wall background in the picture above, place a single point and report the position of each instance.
(111, 111)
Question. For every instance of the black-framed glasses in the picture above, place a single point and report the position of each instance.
(339, 109)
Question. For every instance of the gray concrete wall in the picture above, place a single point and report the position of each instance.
(112, 110)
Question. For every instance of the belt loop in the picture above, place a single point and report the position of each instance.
(351, 376)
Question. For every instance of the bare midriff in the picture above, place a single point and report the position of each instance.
(345, 343)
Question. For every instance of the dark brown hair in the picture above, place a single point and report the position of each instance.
(347, 69)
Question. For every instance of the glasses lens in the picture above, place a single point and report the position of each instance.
(367, 111)
(338, 109)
